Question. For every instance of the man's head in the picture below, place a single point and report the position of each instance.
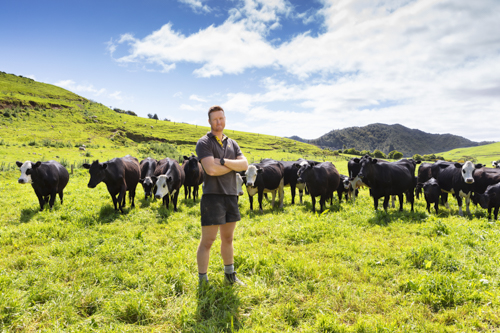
(216, 118)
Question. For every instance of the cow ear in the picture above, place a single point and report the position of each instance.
(458, 165)
(418, 162)
(479, 166)
(169, 179)
(19, 164)
(86, 165)
(104, 166)
(36, 165)
(185, 157)
(141, 181)
(296, 165)
(356, 160)
(374, 161)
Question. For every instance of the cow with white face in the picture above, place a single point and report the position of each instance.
(468, 169)
(170, 178)
(263, 178)
(239, 184)
(495, 164)
(148, 167)
(46, 178)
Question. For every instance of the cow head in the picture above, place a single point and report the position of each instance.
(304, 169)
(367, 164)
(27, 169)
(163, 185)
(468, 169)
(482, 199)
(495, 164)
(97, 172)
(190, 164)
(251, 174)
(239, 184)
(147, 184)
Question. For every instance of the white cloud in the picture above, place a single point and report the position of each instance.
(197, 6)
(88, 89)
(421, 62)
(197, 98)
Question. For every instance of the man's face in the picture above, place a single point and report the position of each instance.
(217, 121)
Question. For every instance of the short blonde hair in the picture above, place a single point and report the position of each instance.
(214, 109)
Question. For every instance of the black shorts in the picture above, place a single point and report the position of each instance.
(217, 209)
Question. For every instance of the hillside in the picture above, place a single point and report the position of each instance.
(391, 137)
(50, 122)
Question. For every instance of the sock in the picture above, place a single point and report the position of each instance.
(229, 269)
(203, 277)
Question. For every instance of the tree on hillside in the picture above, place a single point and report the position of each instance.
(395, 155)
(418, 157)
(150, 116)
(365, 152)
(378, 154)
(155, 116)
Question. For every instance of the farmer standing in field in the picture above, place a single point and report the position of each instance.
(220, 157)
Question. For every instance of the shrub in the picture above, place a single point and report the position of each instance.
(378, 154)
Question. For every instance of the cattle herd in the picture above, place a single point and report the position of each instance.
(164, 178)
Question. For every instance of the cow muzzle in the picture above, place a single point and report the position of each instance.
(469, 180)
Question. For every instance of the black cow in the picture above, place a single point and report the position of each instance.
(169, 177)
(46, 178)
(291, 177)
(344, 187)
(432, 193)
(148, 167)
(267, 176)
(389, 178)
(424, 174)
(119, 174)
(321, 180)
(456, 179)
(194, 176)
(490, 199)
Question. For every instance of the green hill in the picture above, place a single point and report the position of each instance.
(387, 138)
(50, 122)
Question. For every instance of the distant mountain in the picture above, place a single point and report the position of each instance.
(390, 137)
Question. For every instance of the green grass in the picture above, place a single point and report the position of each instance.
(482, 154)
(84, 267)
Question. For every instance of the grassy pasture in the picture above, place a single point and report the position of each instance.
(483, 154)
(83, 267)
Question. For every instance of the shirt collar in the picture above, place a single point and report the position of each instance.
(211, 135)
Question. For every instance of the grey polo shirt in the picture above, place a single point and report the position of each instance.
(209, 146)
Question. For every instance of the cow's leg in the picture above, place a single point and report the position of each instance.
(292, 192)
(61, 196)
(131, 195)
(459, 202)
(53, 195)
(273, 193)
(195, 192)
(185, 192)
(436, 207)
(260, 196)
(393, 201)
(301, 193)
(467, 202)
(400, 197)
(115, 202)
(250, 199)
(496, 212)
(489, 212)
(322, 201)
(429, 206)
(41, 201)
(375, 203)
(313, 201)
(174, 200)
(386, 202)
(281, 193)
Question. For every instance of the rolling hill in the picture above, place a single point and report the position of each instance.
(391, 137)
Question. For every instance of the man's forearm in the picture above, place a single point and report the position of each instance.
(236, 165)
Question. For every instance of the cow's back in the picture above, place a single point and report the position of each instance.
(132, 171)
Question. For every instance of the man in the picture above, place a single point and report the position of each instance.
(220, 157)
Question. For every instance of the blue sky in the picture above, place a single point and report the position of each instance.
(278, 67)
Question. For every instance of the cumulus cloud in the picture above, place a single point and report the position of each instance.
(89, 89)
(197, 6)
(197, 98)
(417, 62)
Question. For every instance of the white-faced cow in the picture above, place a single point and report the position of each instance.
(194, 176)
(321, 180)
(389, 178)
(343, 187)
(495, 164)
(291, 168)
(456, 179)
(239, 184)
(148, 167)
(263, 178)
(46, 178)
(169, 178)
(120, 175)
